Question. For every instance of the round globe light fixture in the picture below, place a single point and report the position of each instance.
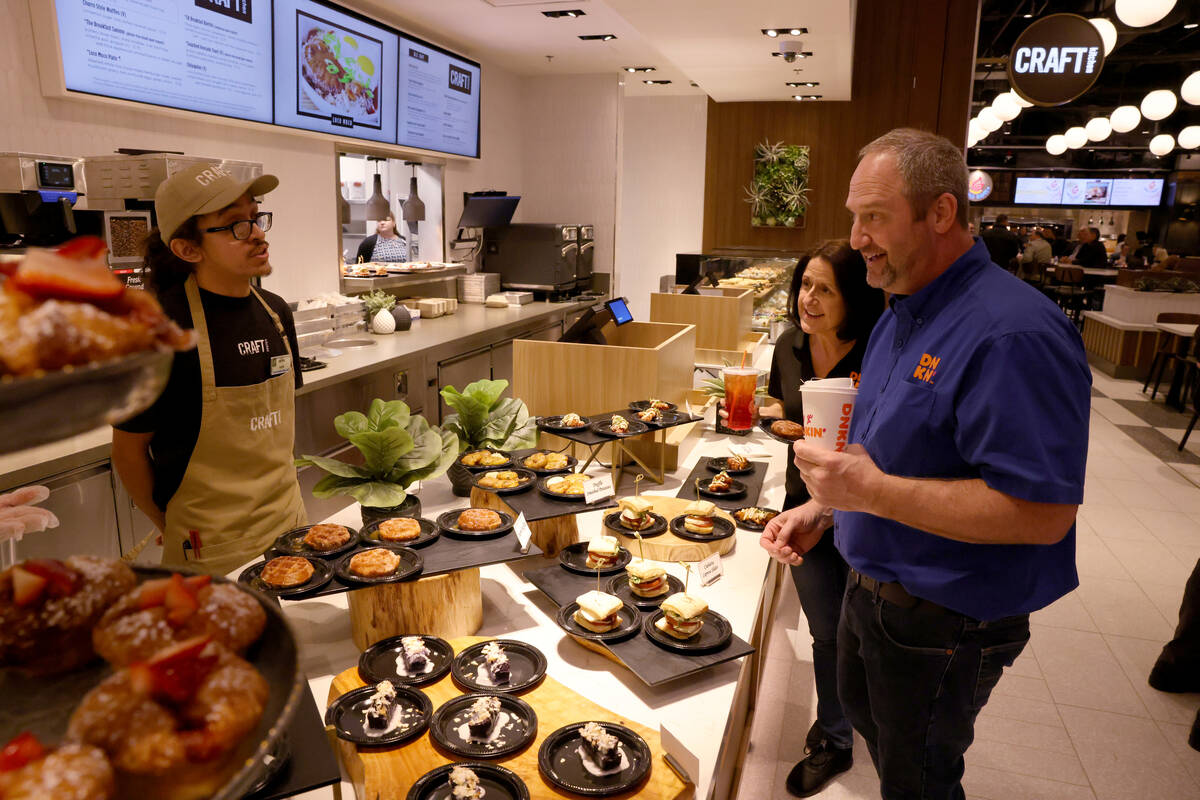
(1140, 13)
(1125, 118)
(1021, 101)
(1190, 91)
(976, 131)
(1056, 145)
(1076, 137)
(1098, 129)
(990, 120)
(1006, 107)
(1162, 144)
(1159, 104)
(1108, 32)
(1189, 137)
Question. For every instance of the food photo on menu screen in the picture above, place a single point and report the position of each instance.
(334, 72)
(439, 100)
(212, 56)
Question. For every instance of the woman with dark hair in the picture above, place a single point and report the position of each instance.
(385, 244)
(833, 311)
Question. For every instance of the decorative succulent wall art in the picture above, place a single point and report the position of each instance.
(778, 195)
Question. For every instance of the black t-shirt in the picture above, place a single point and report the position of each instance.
(1002, 244)
(792, 364)
(1091, 254)
(243, 339)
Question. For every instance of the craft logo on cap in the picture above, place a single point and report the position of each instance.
(215, 172)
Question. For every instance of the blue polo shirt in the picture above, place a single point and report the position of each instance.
(977, 375)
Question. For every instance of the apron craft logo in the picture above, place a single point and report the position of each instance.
(269, 420)
(927, 368)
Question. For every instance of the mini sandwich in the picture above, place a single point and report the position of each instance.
(698, 516)
(598, 611)
(647, 579)
(682, 615)
(635, 513)
(603, 551)
(618, 424)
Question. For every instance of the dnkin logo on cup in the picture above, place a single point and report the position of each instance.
(843, 432)
(927, 368)
(811, 431)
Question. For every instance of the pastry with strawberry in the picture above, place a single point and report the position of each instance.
(28, 771)
(163, 611)
(48, 608)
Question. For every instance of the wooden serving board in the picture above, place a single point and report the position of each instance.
(668, 546)
(390, 772)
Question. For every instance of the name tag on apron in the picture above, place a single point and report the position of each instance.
(280, 365)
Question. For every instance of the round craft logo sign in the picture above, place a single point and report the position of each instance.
(1055, 59)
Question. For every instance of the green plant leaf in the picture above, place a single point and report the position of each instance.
(378, 494)
(445, 446)
(350, 423)
(381, 450)
(386, 414)
(332, 466)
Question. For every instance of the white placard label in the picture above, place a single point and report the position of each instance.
(597, 488)
(524, 535)
(710, 570)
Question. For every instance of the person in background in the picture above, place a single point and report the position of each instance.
(1121, 259)
(954, 503)
(385, 245)
(210, 462)
(1177, 669)
(1059, 246)
(1090, 252)
(1036, 255)
(833, 311)
(1002, 244)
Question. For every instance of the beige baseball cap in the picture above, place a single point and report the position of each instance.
(201, 189)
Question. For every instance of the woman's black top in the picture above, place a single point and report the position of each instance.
(790, 366)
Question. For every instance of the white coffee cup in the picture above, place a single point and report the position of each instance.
(828, 408)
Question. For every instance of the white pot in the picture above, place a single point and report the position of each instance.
(383, 322)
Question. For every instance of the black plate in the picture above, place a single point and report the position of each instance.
(572, 461)
(764, 424)
(45, 408)
(665, 419)
(750, 526)
(507, 463)
(411, 565)
(498, 782)
(529, 478)
(350, 723)
(619, 585)
(604, 428)
(527, 667)
(552, 424)
(252, 576)
(736, 488)
(449, 519)
(722, 529)
(572, 498)
(429, 534)
(715, 635)
(573, 557)
(613, 523)
(630, 617)
(508, 736)
(380, 662)
(642, 405)
(292, 544)
(717, 463)
(561, 765)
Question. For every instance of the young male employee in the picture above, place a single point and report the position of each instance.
(210, 463)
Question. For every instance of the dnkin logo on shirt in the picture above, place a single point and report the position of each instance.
(927, 368)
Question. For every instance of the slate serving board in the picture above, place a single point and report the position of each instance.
(753, 482)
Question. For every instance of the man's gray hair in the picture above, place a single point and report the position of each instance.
(930, 166)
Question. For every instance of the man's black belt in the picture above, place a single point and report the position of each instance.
(891, 591)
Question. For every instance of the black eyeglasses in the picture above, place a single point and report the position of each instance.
(241, 229)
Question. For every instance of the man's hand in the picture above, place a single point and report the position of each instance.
(847, 481)
(794, 532)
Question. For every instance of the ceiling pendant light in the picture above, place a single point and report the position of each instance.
(377, 204)
(1189, 137)
(1108, 33)
(1140, 13)
(1162, 144)
(1098, 129)
(1056, 145)
(1159, 104)
(1190, 91)
(976, 131)
(1021, 101)
(1006, 107)
(412, 208)
(1125, 118)
(1076, 137)
(990, 120)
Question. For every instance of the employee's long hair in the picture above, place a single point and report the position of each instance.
(162, 269)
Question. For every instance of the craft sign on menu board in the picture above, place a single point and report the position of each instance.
(1056, 59)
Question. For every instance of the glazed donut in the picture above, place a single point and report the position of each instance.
(161, 612)
(72, 772)
(48, 608)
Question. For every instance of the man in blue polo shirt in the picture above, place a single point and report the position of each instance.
(955, 503)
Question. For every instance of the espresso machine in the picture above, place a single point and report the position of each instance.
(39, 195)
(542, 257)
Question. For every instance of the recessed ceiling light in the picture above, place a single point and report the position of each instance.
(804, 54)
(1027, 16)
(797, 84)
(598, 37)
(656, 83)
(773, 32)
(1190, 25)
(638, 69)
(806, 97)
(574, 12)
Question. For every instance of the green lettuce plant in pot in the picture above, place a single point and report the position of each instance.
(398, 449)
(483, 418)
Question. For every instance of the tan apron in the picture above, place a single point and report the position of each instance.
(239, 491)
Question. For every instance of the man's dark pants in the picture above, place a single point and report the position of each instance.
(912, 681)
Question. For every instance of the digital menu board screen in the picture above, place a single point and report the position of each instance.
(205, 55)
(335, 72)
(439, 100)
(1039, 191)
(1137, 191)
(1086, 191)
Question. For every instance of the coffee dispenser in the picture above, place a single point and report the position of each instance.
(38, 195)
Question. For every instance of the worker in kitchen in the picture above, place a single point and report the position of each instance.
(210, 463)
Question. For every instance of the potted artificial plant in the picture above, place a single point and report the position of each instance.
(398, 449)
(483, 418)
(379, 311)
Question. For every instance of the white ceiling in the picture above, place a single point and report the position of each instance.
(718, 44)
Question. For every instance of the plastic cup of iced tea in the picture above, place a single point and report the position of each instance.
(740, 383)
